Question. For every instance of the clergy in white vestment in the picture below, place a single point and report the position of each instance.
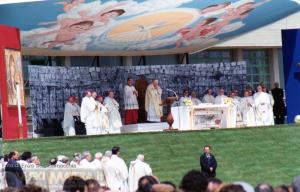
(220, 99)
(35, 162)
(195, 99)
(248, 110)
(237, 105)
(75, 163)
(92, 123)
(153, 102)
(102, 114)
(115, 122)
(98, 165)
(186, 96)
(72, 110)
(111, 172)
(88, 108)
(122, 168)
(137, 169)
(86, 160)
(130, 103)
(271, 102)
(263, 108)
(208, 97)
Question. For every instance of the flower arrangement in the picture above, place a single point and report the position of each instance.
(187, 102)
(228, 101)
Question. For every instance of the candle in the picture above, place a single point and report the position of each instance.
(19, 103)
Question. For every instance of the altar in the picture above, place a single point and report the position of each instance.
(203, 116)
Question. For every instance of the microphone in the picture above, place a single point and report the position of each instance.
(173, 92)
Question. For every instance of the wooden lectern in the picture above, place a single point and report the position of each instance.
(170, 120)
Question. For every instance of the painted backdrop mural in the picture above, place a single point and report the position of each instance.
(133, 27)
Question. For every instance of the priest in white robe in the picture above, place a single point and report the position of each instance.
(237, 105)
(208, 97)
(153, 103)
(122, 168)
(130, 103)
(88, 107)
(86, 160)
(195, 99)
(263, 108)
(115, 122)
(185, 97)
(111, 172)
(137, 169)
(75, 163)
(101, 117)
(92, 122)
(71, 111)
(220, 99)
(248, 110)
(98, 165)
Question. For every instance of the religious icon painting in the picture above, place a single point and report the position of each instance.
(14, 77)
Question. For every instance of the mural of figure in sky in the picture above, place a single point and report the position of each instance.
(140, 25)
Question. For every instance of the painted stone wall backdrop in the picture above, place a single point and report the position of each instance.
(50, 86)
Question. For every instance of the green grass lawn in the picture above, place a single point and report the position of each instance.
(254, 155)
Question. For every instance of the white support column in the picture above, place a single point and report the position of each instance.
(274, 66)
(68, 61)
(127, 61)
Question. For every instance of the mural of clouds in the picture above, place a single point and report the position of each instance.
(140, 25)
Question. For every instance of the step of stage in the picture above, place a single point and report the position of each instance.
(144, 127)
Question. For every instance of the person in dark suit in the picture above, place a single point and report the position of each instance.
(14, 175)
(208, 162)
(279, 106)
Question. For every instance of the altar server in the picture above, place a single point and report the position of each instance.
(137, 169)
(248, 109)
(153, 102)
(130, 103)
(264, 110)
(114, 116)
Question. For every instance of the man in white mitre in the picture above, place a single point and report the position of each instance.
(97, 164)
(153, 102)
(115, 122)
(122, 168)
(248, 110)
(71, 112)
(208, 97)
(88, 107)
(263, 108)
(130, 103)
(137, 169)
(86, 160)
(111, 172)
(220, 99)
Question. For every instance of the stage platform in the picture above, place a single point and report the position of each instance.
(144, 127)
